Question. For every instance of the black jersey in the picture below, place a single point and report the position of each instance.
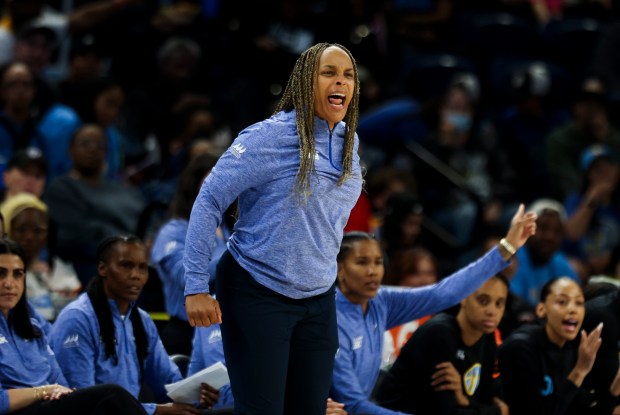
(407, 386)
(535, 374)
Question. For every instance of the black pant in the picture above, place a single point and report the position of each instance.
(94, 400)
(279, 351)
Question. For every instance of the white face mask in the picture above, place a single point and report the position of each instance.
(461, 122)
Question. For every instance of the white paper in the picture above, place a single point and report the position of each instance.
(188, 389)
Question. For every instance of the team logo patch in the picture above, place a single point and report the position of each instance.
(170, 246)
(215, 336)
(548, 389)
(357, 342)
(3, 339)
(72, 340)
(237, 150)
(471, 379)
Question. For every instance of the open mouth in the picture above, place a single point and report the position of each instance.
(570, 325)
(337, 100)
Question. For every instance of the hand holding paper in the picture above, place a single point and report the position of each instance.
(188, 389)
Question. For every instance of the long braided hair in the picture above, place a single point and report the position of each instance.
(99, 300)
(299, 95)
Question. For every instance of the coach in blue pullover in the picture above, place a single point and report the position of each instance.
(296, 176)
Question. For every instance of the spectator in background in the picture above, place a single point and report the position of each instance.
(467, 181)
(99, 102)
(18, 122)
(532, 112)
(589, 125)
(34, 46)
(192, 124)
(85, 207)
(86, 63)
(51, 282)
(541, 259)
(175, 84)
(412, 267)
(26, 172)
(593, 224)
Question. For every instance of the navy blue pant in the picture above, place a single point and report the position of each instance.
(279, 351)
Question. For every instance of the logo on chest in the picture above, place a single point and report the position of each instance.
(471, 379)
(3, 339)
(237, 150)
(357, 342)
(548, 389)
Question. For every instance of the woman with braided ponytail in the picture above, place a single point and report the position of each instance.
(296, 176)
(103, 337)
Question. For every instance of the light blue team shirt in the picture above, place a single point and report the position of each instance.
(25, 363)
(75, 338)
(287, 244)
(360, 337)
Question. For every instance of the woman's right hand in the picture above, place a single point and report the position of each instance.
(202, 310)
(447, 378)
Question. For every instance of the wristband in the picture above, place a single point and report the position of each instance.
(507, 246)
(40, 392)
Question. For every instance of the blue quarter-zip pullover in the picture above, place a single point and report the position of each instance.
(287, 244)
(25, 363)
(360, 336)
(76, 340)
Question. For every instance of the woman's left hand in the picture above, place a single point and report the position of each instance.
(208, 395)
(55, 392)
(335, 408)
